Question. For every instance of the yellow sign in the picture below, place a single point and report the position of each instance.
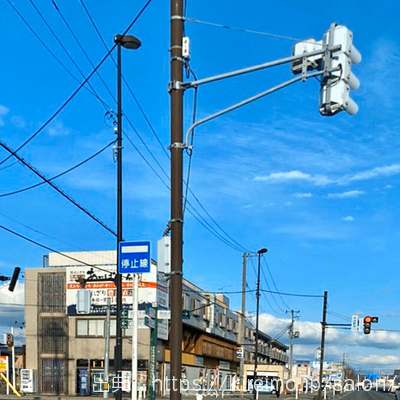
(3, 363)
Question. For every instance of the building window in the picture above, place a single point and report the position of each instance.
(52, 335)
(96, 328)
(52, 292)
(90, 327)
(194, 307)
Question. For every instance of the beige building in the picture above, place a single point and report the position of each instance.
(62, 346)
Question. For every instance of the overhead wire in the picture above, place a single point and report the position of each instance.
(55, 187)
(266, 299)
(67, 53)
(49, 248)
(125, 81)
(51, 53)
(82, 48)
(157, 136)
(77, 90)
(60, 174)
(273, 282)
(260, 33)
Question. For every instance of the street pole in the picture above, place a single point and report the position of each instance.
(13, 357)
(321, 362)
(176, 221)
(118, 278)
(242, 322)
(260, 253)
(107, 348)
(135, 336)
(291, 333)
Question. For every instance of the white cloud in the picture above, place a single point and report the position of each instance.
(292, 176)
(346, 195)
(387, 170)
(349, 218)
(3, 112)
(388, 187)
(303, 195)
(377, 359)
(323, 180)
(11, 311)
(57, 128)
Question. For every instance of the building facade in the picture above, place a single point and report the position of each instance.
(66, 348)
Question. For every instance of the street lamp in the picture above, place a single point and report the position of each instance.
(260, 253)
(129, 42)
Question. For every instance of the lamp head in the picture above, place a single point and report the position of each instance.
(128, 41)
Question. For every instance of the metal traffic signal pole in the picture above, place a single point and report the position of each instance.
(176, 222)
(321, 361)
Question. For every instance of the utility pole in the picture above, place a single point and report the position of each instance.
(107, 348)
(260, 253)
(118, 277)
(292, 335)
(321, 361)
(176, 221)
(242, 322)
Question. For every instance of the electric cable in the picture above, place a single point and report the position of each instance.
(153, 131)
(125, 81)
(49, 248)
(82, 48)
(266, 299)
(67, 53)
(55, 187)
(60, 174)
(272, 35)
(51, 53)
(68, 100)
(273, 281)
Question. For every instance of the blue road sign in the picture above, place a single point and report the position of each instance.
(134, 257)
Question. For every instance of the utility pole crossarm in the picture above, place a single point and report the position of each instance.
(242, 71)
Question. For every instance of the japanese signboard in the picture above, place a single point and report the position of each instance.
(134, 257)
(152, 289)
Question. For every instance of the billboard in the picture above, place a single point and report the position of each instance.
(152, 289)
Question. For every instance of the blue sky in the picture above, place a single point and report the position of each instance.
(320, 193)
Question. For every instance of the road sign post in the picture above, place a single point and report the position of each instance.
(153, 351)
(134, 258)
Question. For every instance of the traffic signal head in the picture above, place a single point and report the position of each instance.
(14, 279)
(367, 323)
(338, 79)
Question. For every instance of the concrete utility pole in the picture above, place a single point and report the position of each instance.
(107, 347)
(321, 361)
(292, 335)
(258, 295)
(176, 221)
(242, 329)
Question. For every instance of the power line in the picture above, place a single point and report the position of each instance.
(55, 187)
(82, 48)
(125, 81)
(67, 53)
(265, 297)
(49, 248)
(60, 174)
(273, 281)
(273, 35)
(159, 141)
(51, 53)
(68, 100)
